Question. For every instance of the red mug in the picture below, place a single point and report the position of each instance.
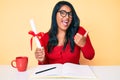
(21, 63)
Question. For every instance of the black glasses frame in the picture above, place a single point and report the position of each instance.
(63, 13)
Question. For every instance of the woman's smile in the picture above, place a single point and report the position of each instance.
(65, 22)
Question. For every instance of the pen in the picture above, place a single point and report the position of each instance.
(45, 70)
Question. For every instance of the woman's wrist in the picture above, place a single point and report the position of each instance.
(42, 60)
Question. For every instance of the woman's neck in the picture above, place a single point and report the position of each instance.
(61, 38)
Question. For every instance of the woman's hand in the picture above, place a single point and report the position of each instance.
(80, 40)
(40, 54)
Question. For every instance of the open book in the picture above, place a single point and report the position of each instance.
(67, 70)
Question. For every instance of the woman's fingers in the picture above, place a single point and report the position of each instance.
(80, 40)
(40, 54)
(85, 35)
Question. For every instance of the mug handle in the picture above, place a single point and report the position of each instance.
(13, 64)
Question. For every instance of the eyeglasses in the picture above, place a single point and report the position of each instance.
(63, 13)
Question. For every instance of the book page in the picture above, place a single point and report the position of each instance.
(77, 71)
(53, 72)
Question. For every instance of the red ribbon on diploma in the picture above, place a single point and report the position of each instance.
(38, 35)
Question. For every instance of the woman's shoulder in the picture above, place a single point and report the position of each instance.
(45, 36)
(44, 39)
(81, 30)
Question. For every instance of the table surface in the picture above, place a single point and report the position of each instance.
(102, 73)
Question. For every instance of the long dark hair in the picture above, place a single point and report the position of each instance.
(71, 31)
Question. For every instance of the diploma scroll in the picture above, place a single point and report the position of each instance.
(34, 30)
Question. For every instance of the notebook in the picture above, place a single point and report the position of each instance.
(62, 71)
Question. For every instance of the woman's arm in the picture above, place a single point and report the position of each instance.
(85, 44)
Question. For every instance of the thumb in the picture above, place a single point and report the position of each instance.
(85, 35)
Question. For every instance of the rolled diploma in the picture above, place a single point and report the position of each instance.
(34, 30)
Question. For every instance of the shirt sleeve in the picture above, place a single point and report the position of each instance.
(41, 63)
(87, 50)
(44, 41)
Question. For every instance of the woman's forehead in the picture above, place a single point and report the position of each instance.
(66, 8)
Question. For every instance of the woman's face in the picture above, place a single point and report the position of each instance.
(64, 18)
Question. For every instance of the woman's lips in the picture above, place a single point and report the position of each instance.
(65, 23)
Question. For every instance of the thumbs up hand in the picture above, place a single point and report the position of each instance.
(80, 40)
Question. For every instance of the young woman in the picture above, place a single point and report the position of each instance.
(65, 39)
